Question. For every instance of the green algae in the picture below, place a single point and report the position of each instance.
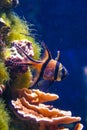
(22, 80)
(4, 75)
(4, 116)
(19, 29)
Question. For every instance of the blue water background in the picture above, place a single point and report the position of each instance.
(62, 24)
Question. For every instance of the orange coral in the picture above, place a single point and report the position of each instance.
(28, 106)
(78, 127)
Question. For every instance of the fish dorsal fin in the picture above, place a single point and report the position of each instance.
(29, 57)
(58, 56)
(47, 53)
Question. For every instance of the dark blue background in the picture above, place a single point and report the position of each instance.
(62, 24)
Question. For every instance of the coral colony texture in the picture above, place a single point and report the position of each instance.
(22, 107)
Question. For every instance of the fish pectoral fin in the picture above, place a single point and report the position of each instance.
(35, 76)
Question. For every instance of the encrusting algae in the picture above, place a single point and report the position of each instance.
(25, 107)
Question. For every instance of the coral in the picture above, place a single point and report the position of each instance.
(78, 127)
(20, 74)
(4, 116)
(16, 62)
(19, 29)
(28, 106)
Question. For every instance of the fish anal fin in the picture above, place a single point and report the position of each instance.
(35, 75)
(44, 85)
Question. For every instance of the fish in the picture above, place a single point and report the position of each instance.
(47, 68)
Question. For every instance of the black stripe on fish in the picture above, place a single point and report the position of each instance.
(56, 70)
